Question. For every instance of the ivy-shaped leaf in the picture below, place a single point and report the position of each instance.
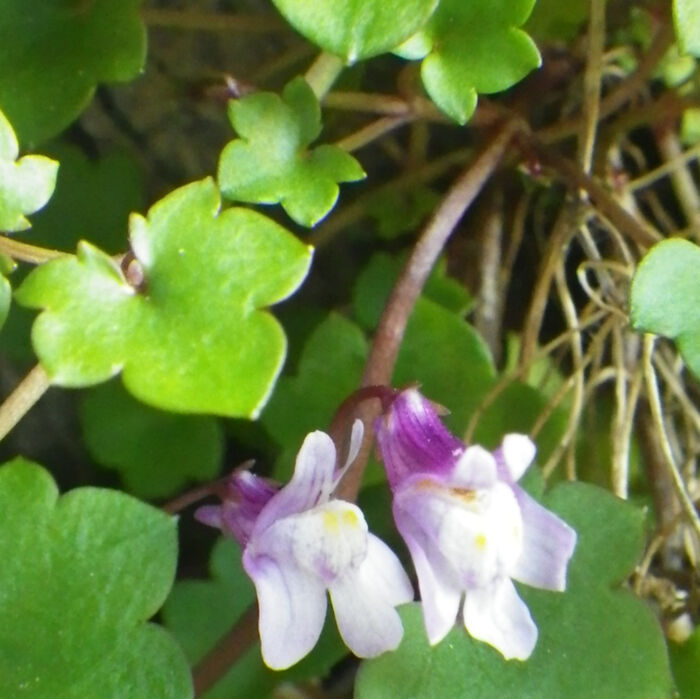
(665, 296)
(271, 163)
(54, 52)
(595, 639)
(199, 612)
(686, 20)
(156, 453)
(191, 337)
(471, 47)
(358, 29)
(25, 184)
(81, 575)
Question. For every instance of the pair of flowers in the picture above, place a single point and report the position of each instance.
(469, 527)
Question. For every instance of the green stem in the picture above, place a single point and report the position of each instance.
(28, 253)
(323, 72)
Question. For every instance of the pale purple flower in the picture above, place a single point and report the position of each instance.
(469, 528)
(299, 543)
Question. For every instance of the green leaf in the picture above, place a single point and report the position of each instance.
(25, 184)
(81, 574)
(271, 164)
(54, 52)
(554, 20)
(594, 639)
(374, 283)
(199, 612)
(329, 369)
(448, 358)
(401, 211)
(472, 47)
(665, 296)
(357, 29)
(690, 126)
(193, 337)
(686, 20)
(156, 453)
(685, 661)
(103, 190)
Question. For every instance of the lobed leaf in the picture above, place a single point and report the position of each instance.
(193, 337)
(357, 29)
(271, 164)
(96, 40)
(665, 296)
(81, 575)
(470, 47)
(26, 184)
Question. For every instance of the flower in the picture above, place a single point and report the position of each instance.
(298, 542)
(469, 528)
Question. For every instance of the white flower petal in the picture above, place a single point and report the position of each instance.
(440, 590)
(313, 477)
(358, 430)
(292, 608)
(364, 601)
(497, 616)
(548, 544)
(475, 468)
(518, 453)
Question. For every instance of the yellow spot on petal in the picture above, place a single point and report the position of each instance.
(480, 541)
(330, 522)
(350, 518)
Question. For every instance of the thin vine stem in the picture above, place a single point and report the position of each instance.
(392, 324)
(657, 416)
(28, 253)
(215, 664)
(22, 399)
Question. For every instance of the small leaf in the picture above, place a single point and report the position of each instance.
(270, 163)
(665, 296)
(195, 337)
(594, 639)
(199, 612)
(474, 47)
(25, 184)
(81, 574)
(686, 20)
(156, 453)
(358, 29)
(54, 52)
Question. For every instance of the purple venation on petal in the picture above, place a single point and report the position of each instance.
(245, 496)
(412, 439)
